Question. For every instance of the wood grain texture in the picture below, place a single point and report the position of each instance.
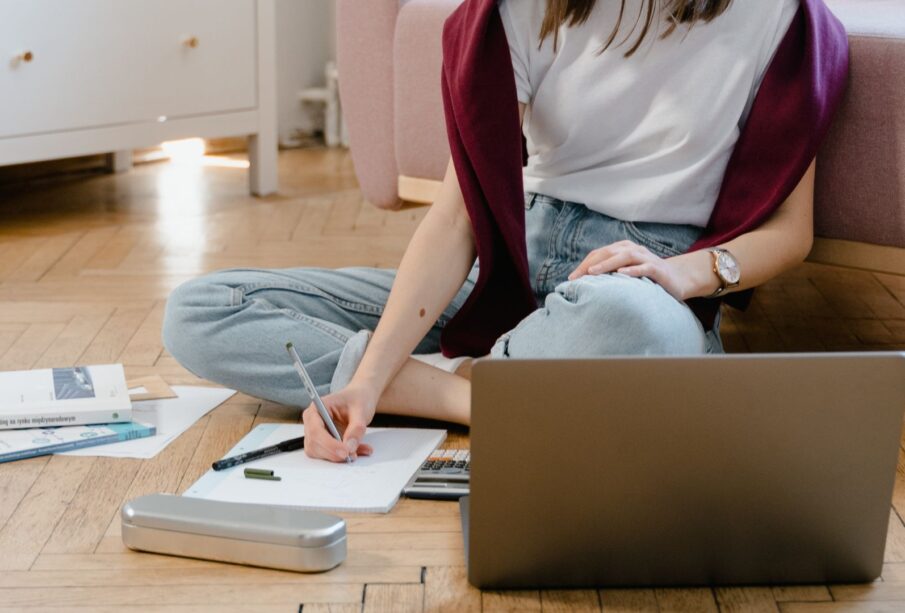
(86, 265)
(446, 590)
(393, 598)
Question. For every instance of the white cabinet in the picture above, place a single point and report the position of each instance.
(92, 76)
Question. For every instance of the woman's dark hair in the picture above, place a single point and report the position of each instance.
(576, 12)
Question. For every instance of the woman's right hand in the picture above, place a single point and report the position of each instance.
(352, 409)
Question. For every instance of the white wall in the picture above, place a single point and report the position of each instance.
(305, 42)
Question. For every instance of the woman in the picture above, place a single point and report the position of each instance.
(630, 127)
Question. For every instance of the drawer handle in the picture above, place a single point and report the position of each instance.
(191, 42)
(25, 56)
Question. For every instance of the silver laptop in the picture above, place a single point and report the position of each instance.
(725, 470)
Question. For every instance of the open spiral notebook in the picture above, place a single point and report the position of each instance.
(368, 485)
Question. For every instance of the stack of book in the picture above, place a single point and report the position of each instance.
(60, 409)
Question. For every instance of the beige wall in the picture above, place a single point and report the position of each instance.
(305, 42)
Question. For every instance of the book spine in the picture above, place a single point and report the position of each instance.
(61, 418)
(113, 437)
(59, 448)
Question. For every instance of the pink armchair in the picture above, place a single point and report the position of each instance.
(389, 63)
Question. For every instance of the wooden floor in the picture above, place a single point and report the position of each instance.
(86, 262)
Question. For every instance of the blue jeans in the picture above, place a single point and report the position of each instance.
(231, 326)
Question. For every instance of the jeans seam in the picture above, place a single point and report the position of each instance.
(574, 253)
(314, 323)
(543, 273)
(360, 307)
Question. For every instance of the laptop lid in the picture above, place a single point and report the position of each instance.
(715, 470)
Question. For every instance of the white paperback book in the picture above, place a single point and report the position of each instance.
(75, 396)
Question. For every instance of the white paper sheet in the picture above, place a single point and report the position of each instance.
(370, 484)
(171, 416)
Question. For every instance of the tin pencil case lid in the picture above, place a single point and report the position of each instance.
(233, 520)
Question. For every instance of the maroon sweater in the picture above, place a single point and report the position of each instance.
(789, 118)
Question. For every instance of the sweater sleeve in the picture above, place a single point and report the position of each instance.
(518, 31)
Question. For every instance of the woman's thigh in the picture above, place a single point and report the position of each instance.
(605, 315)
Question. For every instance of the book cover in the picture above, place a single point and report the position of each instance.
(64, 397)
(21, 444)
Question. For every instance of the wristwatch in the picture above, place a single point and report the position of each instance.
(726, 268)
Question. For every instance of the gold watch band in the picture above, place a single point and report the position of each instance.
(715, 253)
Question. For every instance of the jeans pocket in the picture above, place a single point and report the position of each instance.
(663, 239)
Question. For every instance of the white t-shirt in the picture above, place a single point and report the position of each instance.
(644, 138)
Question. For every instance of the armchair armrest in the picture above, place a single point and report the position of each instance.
(364, 48)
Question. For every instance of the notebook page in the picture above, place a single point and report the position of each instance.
(370, 484)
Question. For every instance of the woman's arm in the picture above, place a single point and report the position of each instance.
(435, 264)
(432, 270)
(782, 242)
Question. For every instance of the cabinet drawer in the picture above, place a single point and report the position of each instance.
(108, 62)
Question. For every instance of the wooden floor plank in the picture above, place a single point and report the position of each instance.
(194, 608)
(801, 593)
(16, 252)
(407, 598)
(145, 346)
(43, 258)
(331, 608)
(37, 312)
(126, 560)
(72, 341)
(895, 539)
(204, 595)
(514, 600)
(446, 590)
(629, 601)
(15, 481)
(746, 600)
(28, 348)
(841, 607)
(9, 333)
(881, 590)
(212, 575)
(34, 520)
(697, 600)
(564, 601)
(223, 431)
(106, 347)
(116, 248)
(87, 516)
(88, 244)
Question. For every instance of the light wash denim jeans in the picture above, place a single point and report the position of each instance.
(232, 326)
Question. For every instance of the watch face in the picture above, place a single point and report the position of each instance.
(728, 268)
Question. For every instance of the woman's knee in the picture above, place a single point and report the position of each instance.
(191, 315)
(606, 315)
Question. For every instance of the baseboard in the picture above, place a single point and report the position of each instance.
(877, 258)
(422, 191)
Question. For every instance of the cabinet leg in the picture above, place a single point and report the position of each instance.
(262, 157)
(119, 161)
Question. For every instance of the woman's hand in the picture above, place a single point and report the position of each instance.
(634, 260)
(352, 409)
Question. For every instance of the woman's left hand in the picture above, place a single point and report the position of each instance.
(634, 260)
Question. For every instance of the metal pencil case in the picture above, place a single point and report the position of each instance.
(257, 535)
